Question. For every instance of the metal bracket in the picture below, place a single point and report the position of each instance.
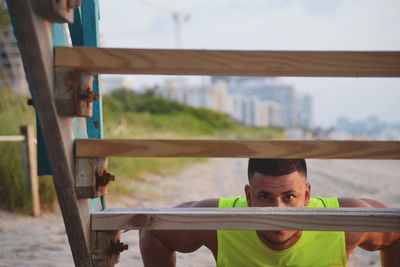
(106, 248)
(91, 177)
(73, 93)
(56, 10)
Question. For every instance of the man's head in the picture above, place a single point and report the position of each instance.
(278, 183)
(276, 167)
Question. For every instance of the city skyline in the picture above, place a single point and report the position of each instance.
(281, 25)
(260, 102)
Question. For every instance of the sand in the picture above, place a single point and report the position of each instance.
(26, 241)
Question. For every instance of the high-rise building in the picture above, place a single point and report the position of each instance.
(219, 98)
(269, 90)
(253, 111)
(306, 120)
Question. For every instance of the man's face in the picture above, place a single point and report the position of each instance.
(286, 191)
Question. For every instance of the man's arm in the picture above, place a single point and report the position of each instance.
(387, 243)
(158, 247)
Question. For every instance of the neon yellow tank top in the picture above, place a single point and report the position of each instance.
(314, 248)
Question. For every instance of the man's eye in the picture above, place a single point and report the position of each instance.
(263, 197)
(290, 197)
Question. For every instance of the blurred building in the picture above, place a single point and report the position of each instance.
(370, 128)
(220, 98)
(254, 101)
(12, 74)
(306, 111)
(267, 89)
(253, 111)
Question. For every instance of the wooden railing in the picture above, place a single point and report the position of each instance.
(30, 163)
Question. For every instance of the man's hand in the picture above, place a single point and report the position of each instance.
(154, 252)
(158, 247)
(387, 243)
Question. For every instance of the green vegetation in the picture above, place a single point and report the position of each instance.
(4, 23)
(14, 113)
(4, 18)
(14, 189)
(130, 115)
(126, 115)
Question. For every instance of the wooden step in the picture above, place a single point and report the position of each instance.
(238, 149)
(230, 63)
(338, 219)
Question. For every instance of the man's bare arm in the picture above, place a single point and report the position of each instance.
(158, 247)
(387, 243)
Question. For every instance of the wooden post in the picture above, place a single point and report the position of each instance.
(35, 39)
(31, 167)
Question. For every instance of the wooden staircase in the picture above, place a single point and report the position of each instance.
(91, 233)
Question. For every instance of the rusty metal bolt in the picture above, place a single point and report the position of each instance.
(72, 4)
(90, 96)
(118, 247)
(104, 178)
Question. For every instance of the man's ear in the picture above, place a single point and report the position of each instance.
(248, 194)
(307, 194)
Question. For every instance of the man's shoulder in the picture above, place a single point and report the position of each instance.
(205, 203)
(324, 202)
(361, 203)
(232, 202)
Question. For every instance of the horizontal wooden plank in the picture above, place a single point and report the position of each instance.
(239, 149)
(233, 63)
(340, 219)
(12, 138)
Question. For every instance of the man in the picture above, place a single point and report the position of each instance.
(272, 183)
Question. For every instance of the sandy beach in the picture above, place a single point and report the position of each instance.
(27, 241)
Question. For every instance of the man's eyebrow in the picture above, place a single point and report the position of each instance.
(289, 192)
(283, 193)
(264, 192)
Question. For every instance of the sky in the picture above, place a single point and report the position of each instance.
(272, 25)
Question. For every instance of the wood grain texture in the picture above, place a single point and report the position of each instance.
(31, 167)
(239, 63)
(239, 149)
(349, 219)
(35, 44)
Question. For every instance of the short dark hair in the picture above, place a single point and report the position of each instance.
(276, 167)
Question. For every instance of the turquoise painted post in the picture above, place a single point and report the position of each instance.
(75, 29)
(90, 25)
(60, 38)
(85, 32)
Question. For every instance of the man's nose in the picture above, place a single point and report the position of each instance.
(278, 203)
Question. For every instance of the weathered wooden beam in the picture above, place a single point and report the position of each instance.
(35, 44)
(240, 63)
(339, 219)
(31, 167)
(239, 149)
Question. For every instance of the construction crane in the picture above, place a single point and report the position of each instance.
(178, 16)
